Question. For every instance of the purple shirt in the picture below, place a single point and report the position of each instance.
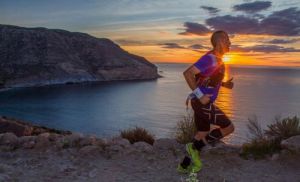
(207, 65)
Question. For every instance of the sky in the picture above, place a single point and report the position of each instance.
(265, 33)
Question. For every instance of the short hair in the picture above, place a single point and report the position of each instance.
(215, 37)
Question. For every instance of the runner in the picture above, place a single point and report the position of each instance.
(205, 79)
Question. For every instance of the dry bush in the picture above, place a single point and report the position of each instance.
(185, 129)
(138, 134)
(284, 128)
(267, 142)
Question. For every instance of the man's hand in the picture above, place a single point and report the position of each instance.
(228, 84)
(205, 99)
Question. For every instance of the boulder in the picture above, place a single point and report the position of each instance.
(9, 139)
(292, 143)
(143, 147)
(122, 142)
(19, 129)
(42, 141)
(27, 142)
(74, 139)
(90, 150)
(88, 140)
(166, 144)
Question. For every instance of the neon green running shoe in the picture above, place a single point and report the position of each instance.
(194, 153)
(180, 169)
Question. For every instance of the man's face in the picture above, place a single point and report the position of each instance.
(225, 43)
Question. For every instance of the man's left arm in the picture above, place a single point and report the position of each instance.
(228, 84)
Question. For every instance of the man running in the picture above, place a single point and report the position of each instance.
(205, 79)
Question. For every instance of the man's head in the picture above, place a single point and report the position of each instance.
(220, 41)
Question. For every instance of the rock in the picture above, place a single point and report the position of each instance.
(285, 152)
(15, 127)
(221, 148)
(292, 143)
(9, 139)
(275, 157)
(166, 144)
(90, 150)
(28, 145)
(143, 147)
(21, 128)
(44, 135)
(115, 148)
(54, 137)
(74, 139)
(25, 139)
(88, 140)
(43, 56)
(93, 173)
(27, 142)
(120, 141)
(42, 141)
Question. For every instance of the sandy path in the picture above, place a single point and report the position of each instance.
(71, 165)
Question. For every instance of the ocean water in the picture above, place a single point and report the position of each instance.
(103, 109)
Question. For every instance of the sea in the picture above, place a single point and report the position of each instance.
(105, 108)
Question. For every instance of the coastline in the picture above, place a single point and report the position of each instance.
(3, 88)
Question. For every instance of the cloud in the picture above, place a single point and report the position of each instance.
(198, 46)
(283, 41)
(284, 22)
(280, 23)
(211, 10)
(234, 24)
(195, 28)
(172, 46)
(263, 48)
(253, 7)
(125, 42)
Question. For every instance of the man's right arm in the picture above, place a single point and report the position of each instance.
(189, 76)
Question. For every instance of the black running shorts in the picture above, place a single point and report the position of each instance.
(204, 115)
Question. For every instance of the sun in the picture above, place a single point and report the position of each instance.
(226, 58)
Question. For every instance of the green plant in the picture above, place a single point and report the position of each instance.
(185, 129)
(285, 128)
(260, 148)
(267, 142)
(138, 134)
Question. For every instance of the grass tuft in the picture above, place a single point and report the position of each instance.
(185, 129)
(285, 128)
(138, 134)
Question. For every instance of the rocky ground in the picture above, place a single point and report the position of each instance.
(51, 156)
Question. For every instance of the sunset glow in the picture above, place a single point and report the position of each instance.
(174, 30)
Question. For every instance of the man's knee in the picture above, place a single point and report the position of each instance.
(231, 128)
(200, 135)
(227, 130)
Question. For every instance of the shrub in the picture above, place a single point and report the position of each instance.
(185, 129)
(255, 128)
(138, 134)
(267, 142)
(260, 148)
(285, 128)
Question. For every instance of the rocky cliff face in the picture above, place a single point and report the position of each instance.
(40, 56)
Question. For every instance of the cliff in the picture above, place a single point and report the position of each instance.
(41, 56)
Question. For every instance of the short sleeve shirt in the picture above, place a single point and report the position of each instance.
(207, 65)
